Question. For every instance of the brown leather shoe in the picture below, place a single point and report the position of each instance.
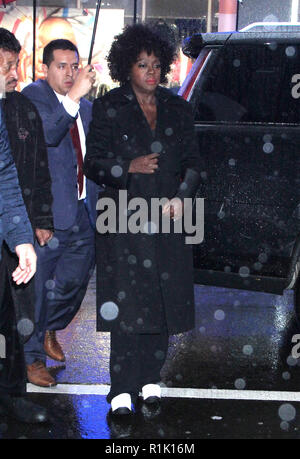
(38, 374)
(52, 347)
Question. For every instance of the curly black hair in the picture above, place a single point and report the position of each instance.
(128, 45)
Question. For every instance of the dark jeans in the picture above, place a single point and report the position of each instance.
(136, 360)
(64, 268)
(12, 364)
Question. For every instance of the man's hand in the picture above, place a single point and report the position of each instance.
(82, 84)
(43, 236)
(27, 264)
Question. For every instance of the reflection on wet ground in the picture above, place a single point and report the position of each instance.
(242, 342)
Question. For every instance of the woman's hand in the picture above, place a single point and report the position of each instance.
(174, 207)
(146, 164)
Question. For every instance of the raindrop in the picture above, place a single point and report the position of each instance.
(147, 263)
(202, 330)
(121, 296)
(273, 46)
(50, 295)
(16, 219)
(284, 425)
(156, 147)
(165, 276)
(25, 327)
(183, 186)
(116, 171)
(227, 269)
(159, 355)
(131, 260)
(53, 243)
(111, 112)
(27, 191)
(117, 368)
(31, 115)
(287, 412)
(219, 314)
(268, 147)
(169, 131)
(244, 271)
(203, 175)
(232, 162)
(109, 310)
(267, 138)
(290, 51)
(291, 361)
(257, 266)
(45, 208)
(263, 257)
(50, 284)
(240, 384)
(236, 63)
(286, 375)
(247, 349)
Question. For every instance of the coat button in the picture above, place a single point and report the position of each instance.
(125, 137)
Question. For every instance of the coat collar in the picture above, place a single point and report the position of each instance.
(162, 94)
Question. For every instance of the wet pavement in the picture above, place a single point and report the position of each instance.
(234, 376)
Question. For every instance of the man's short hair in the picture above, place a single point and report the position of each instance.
(8, 41)
(57, 44)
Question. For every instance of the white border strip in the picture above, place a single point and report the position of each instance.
(221, 394)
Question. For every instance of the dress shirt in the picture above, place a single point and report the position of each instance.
(72, 108)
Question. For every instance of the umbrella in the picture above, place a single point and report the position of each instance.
(94, 31)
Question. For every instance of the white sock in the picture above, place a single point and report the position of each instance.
(121, 401)
(151, 390)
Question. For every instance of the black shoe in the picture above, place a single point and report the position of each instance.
(153, 399)
(151, 410)
(122, 411)
(23, 410)
(120, 425)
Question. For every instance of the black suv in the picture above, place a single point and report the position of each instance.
(245, 91)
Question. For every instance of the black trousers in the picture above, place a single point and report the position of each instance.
(136, 360)
(12, 363)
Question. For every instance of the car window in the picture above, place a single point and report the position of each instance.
(252, 83)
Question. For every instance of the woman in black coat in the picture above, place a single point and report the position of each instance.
(141, 145)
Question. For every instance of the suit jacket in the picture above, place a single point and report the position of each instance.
(29, 150)
(61, 154)
(15, 227)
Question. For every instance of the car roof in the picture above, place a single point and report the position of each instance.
(272, 26)
(193, 45)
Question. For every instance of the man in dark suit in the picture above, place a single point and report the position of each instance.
(29, 151)
(16, 230)
(66, 263)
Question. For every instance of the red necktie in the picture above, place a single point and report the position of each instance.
(76, 143)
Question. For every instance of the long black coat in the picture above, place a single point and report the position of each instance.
(143, 279)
